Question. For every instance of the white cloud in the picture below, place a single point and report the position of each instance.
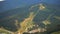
(1, 0)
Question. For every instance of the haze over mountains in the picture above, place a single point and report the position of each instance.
(11, 4)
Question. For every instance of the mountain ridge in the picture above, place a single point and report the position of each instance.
(41, 16)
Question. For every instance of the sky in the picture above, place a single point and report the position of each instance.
(11, 4)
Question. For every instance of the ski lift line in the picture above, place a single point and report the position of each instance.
(35, 13)
(50, 15)
(57, 17)
(32, 16)
(39, 10)
(34, 6)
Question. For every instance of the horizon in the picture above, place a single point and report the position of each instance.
(12, 4)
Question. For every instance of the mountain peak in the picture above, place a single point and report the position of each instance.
(41, 7)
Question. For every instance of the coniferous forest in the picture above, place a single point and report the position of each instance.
(39, 18)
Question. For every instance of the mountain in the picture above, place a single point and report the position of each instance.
(9, 4)
(45, 16)
(10, 16)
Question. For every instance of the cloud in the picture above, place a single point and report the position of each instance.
(1, 0)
